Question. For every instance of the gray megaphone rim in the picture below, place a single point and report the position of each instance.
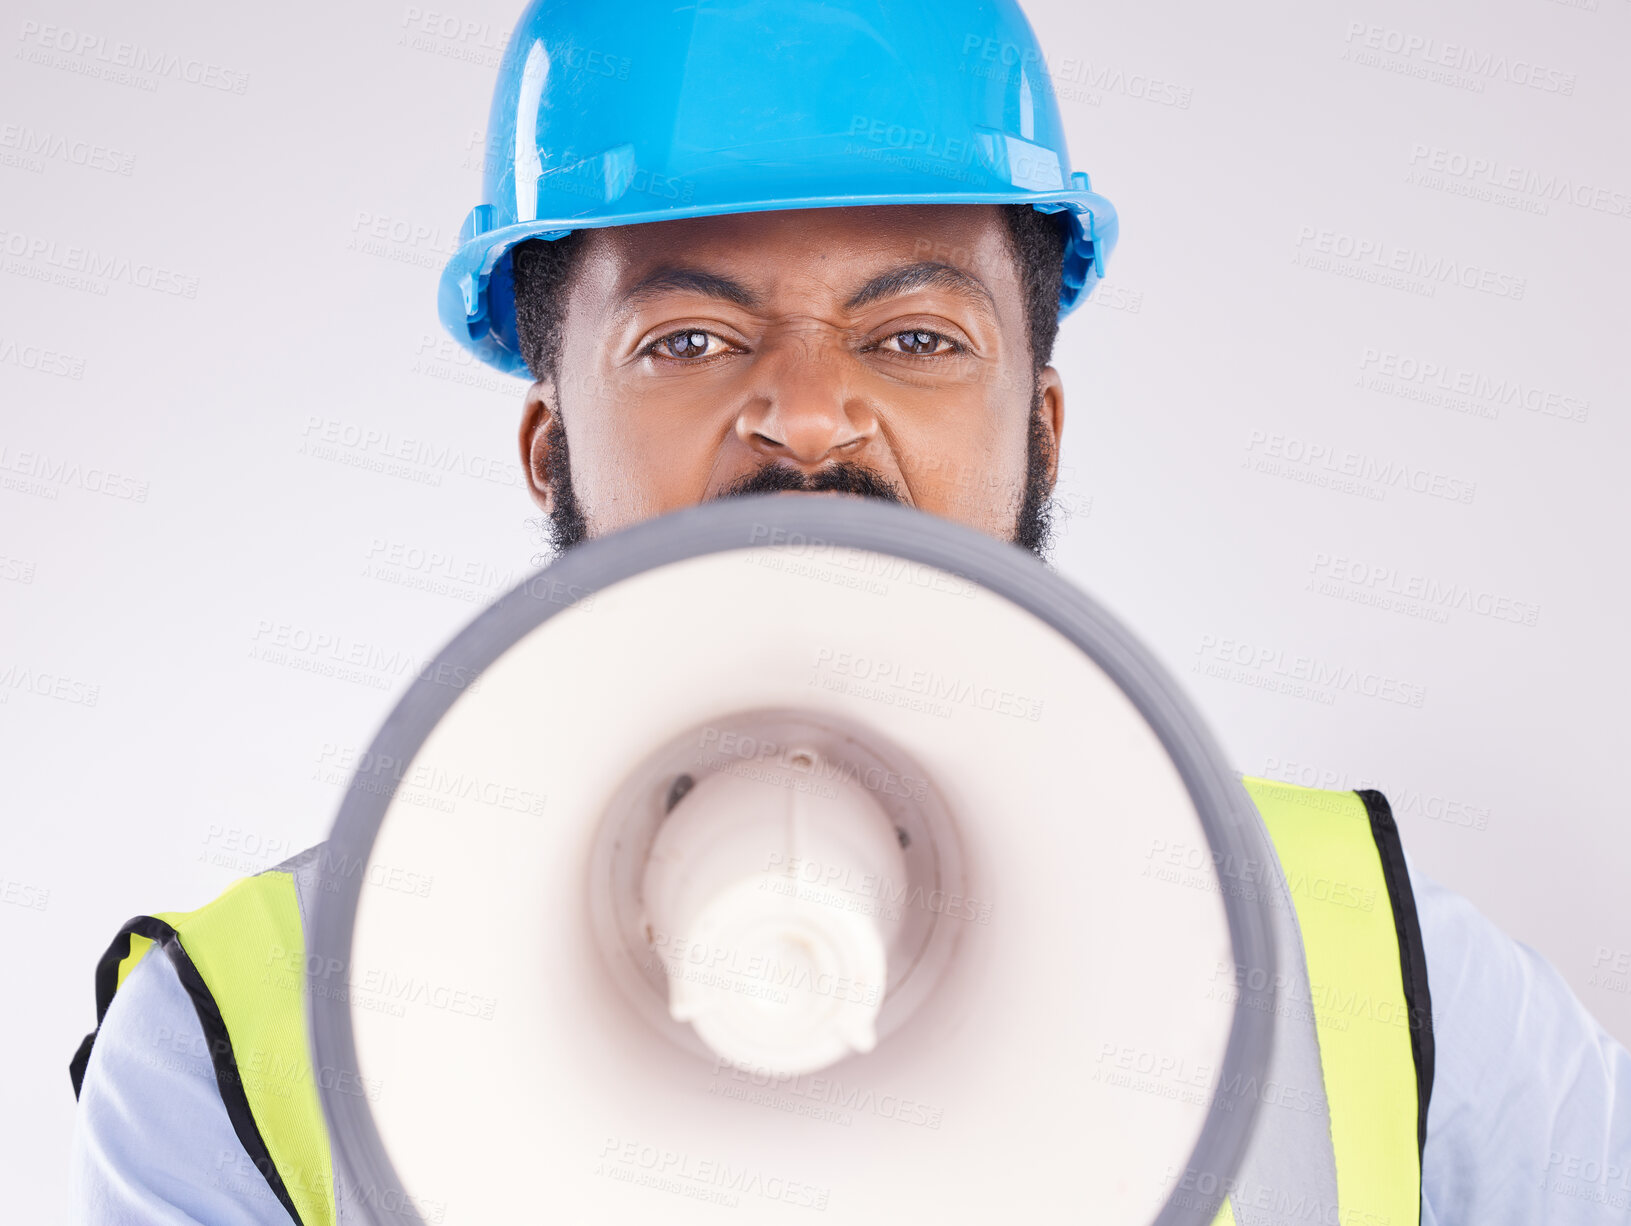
(1226, 812)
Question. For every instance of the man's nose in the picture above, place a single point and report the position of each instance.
(806, 407)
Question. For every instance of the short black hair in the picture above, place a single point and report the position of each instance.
(543, 271)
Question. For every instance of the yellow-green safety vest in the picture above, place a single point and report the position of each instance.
(241, 959)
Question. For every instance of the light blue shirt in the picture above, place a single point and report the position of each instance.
(1529, 1122)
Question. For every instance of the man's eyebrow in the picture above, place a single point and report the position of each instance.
(689, 281)
(926, 274)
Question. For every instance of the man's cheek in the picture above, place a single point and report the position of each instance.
(625, 477)
(971, 484)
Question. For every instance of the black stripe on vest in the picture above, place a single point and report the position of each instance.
(227, 1078)
(1412, 954)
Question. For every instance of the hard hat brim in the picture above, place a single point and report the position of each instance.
(476, 301)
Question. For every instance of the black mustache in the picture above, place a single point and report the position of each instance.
(842, 477)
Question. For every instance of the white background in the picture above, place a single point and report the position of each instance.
(1220, 347)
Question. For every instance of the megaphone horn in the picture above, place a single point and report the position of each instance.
(788, 854)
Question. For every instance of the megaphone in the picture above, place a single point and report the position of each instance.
(787, 855)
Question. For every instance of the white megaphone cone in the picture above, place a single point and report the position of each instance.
(797, 854)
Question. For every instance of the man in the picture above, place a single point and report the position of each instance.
(737, 278)
(864, 368)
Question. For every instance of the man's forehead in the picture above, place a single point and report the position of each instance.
(840, 247)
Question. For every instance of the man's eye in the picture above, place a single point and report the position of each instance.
(691, 343)
(919, 343)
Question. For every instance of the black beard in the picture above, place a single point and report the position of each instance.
(567, 526)
(1033, 526)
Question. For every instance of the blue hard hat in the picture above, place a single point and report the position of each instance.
(611, 114)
